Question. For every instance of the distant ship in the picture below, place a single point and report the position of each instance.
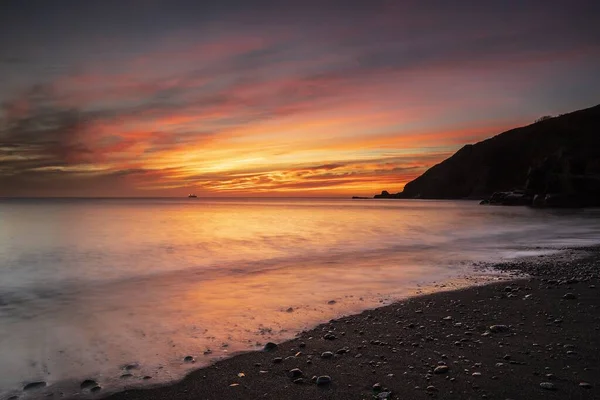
(192, 196)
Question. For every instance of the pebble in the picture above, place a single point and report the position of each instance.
(384, 396)
(585, 385)
(499, 328)
(326, 354)
(441, 369)
(188, 359)
(431, 389)
(296, 373)
(377, 387)
(324, 380)
(547, 386)
(569, 296)
(277, 360)
(270, 346)
(95, 389)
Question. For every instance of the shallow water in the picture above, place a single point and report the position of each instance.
(89, 286)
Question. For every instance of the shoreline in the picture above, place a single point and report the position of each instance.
(413, 336)
(549, 349)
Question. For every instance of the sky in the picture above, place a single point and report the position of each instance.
(274, 98)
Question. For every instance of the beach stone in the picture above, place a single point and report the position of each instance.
(88, 383)
(384, 396)
(125, 376)
(585, 385)
(569, 296)
(34, 385)
(277, 360)
(326, 354)
(296, 372)
(547, 386)
(270, 346)
(129, 367)
(441, 369)
(431, 388)
(448, 318)
(147, 377)
(499, 328)
(331, 302)
(323, 380)
(188, 359)
(298, 381)
(377, 387)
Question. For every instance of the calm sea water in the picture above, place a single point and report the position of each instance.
(90, 286)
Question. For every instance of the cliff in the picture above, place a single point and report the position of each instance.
(555, 155)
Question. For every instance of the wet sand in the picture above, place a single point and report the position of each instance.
(545, 344)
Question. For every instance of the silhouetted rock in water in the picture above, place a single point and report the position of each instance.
(88, 384)
(360, 197)
(34, 385)
(554, 162)
(387, 195)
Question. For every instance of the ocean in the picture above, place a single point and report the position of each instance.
(122, 290)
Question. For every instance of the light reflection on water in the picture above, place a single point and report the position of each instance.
(87, 286)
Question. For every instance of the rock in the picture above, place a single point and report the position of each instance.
(291, 309)
(585, 385)
(441, 369)
(547, 386)
(270, 346)
(34, 385)
(384, 396)
(377, 387)
(146, 377)
(448, 318)
(567, 161)
(569, 296)
(499, 328)
(188, 359)
(329, 336)
(330, 302)
(95, 389)
(431, 389)
(326, 354)
(129, 367)
(88, 383)
(277, 360)
(298, 381)
(125, 376)
(323, 380)
(295, 373)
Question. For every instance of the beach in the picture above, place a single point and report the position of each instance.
(536, 337)
(151, 295)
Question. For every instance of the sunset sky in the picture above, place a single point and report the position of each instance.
(274, 98)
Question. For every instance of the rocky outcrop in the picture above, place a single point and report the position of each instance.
(553, 162)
